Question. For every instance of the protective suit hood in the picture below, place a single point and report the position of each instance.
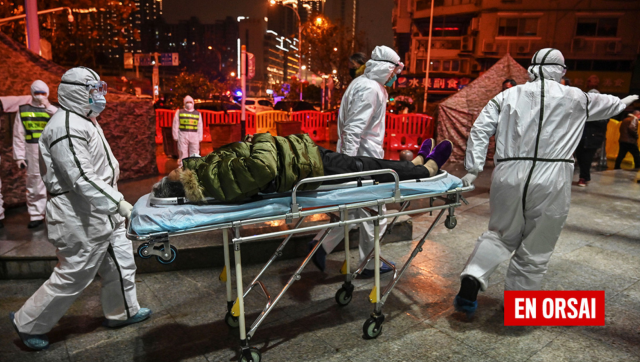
(547, 63)
(73, 97)
(39, 100)
(383, 63)
(39, 86)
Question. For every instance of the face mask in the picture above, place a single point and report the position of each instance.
(40, 99)
(352, 72)
(391, 81)
(98, 104)
(189, 106)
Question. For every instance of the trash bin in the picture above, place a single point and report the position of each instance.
(169, 146)
(285, 128)
(224, 133)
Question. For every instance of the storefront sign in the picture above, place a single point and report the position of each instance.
(604, 82)
(435, 83)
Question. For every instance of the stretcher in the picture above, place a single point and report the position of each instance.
(155, 221)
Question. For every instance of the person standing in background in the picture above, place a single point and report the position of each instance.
(357, 64)
(629, 140)
(592, 139)
(187, 130)
(27, 128)
(508, 83)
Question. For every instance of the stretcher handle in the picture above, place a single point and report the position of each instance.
(396, 192)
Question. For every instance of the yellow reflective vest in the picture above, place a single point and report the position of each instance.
(34, 119)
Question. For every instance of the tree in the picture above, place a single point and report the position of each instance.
(196, 85)
(326, 48)
(99, 26)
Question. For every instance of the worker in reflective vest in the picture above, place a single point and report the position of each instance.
(29, 124)
(187, 130)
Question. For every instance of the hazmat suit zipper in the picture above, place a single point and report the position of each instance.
(535, 151)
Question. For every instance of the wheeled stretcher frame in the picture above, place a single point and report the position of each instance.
(158, 244)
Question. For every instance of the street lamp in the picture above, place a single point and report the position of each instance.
(294, 6)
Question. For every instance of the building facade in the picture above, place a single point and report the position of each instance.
(599, 38)
(276, 55)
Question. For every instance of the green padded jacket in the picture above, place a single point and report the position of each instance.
(240, 170)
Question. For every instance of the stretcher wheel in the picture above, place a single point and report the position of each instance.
(174, 255)
(450, 222)
(343, 297)
(143, 251)
(370, 328)
(256, 356)
(231, 321)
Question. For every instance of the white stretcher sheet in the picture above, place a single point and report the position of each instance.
(148, 219)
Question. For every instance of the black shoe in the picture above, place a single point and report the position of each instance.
(1, 225)
(35, 223)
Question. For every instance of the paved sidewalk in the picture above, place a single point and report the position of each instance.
(599, 249)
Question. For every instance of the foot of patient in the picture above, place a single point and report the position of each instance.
(432, 166)
(436, 158)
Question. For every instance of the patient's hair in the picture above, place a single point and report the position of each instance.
(167, 188)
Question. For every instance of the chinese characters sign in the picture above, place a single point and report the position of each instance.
(435, 83)
(605, 82)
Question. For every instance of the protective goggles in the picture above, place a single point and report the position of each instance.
(558, 64)
(399, 66)
(96, 88)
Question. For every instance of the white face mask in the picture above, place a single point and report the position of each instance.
(40, 99)
(97, 105)
(188, 106)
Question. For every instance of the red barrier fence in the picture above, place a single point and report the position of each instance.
(314, 123)
(402, 131)
(407, 131)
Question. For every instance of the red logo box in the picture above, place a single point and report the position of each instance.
(554, 308)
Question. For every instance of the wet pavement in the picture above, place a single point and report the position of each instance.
(599, 249)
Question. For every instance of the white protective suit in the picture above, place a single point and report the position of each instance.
(80, 173)
(188, 138)
(27, 150)
(537, 127)
(361, 128)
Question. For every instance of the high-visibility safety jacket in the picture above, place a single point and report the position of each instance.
(189, 120)
(34, 119)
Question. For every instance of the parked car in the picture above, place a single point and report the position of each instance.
(218, 106)
(258, 105)
(294, 106)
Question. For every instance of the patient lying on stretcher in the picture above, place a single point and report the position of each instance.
(266, 164)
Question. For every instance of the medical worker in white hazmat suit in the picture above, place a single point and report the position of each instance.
(30, 122)
(85, 215)
(361, 127)
(537, 126)
(187, 130)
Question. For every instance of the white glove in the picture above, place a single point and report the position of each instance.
(21, 164)
(124, 209)
(469, 178)
(628, 100)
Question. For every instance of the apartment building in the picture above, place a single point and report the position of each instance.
(600, 39)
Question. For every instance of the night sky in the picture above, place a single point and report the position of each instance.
(375, 15)
(209, 10)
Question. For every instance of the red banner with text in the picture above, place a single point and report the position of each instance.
(554, 308)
